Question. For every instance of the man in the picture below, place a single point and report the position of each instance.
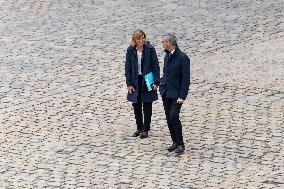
(174, 88)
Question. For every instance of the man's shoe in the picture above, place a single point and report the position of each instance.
(172, 147)
(180, 149)
(144, 134)
(137, 133)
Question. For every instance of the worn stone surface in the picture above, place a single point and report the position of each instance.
(65, 121)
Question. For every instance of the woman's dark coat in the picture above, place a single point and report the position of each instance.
(149, 63)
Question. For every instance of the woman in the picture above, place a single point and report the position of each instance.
(141, 59)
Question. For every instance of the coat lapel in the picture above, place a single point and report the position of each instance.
(134, 60)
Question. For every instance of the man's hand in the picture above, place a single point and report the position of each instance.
(155, 87)
(130, 89)
(180, 101)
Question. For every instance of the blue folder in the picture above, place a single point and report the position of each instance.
(149, 79)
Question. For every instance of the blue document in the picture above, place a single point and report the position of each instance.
(149, 79)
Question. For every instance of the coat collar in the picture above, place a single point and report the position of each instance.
(168, 52)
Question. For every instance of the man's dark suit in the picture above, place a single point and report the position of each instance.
(175, 84)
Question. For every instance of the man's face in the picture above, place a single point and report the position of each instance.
(166, 43)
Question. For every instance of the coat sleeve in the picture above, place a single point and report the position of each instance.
(185, 76)
(155, 67)
(128, 70)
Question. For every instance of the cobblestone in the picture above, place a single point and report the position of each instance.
(65, 121)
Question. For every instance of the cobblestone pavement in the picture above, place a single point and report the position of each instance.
(65, 121)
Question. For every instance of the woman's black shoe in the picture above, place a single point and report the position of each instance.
(137, 133)
(144, 134)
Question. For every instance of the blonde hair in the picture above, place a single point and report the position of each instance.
(137, 34)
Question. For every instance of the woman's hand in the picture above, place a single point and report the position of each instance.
(155, 87)
(130, 89)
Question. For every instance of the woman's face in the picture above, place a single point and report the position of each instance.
(140, 41)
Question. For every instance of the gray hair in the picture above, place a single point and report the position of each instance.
(171, 38)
